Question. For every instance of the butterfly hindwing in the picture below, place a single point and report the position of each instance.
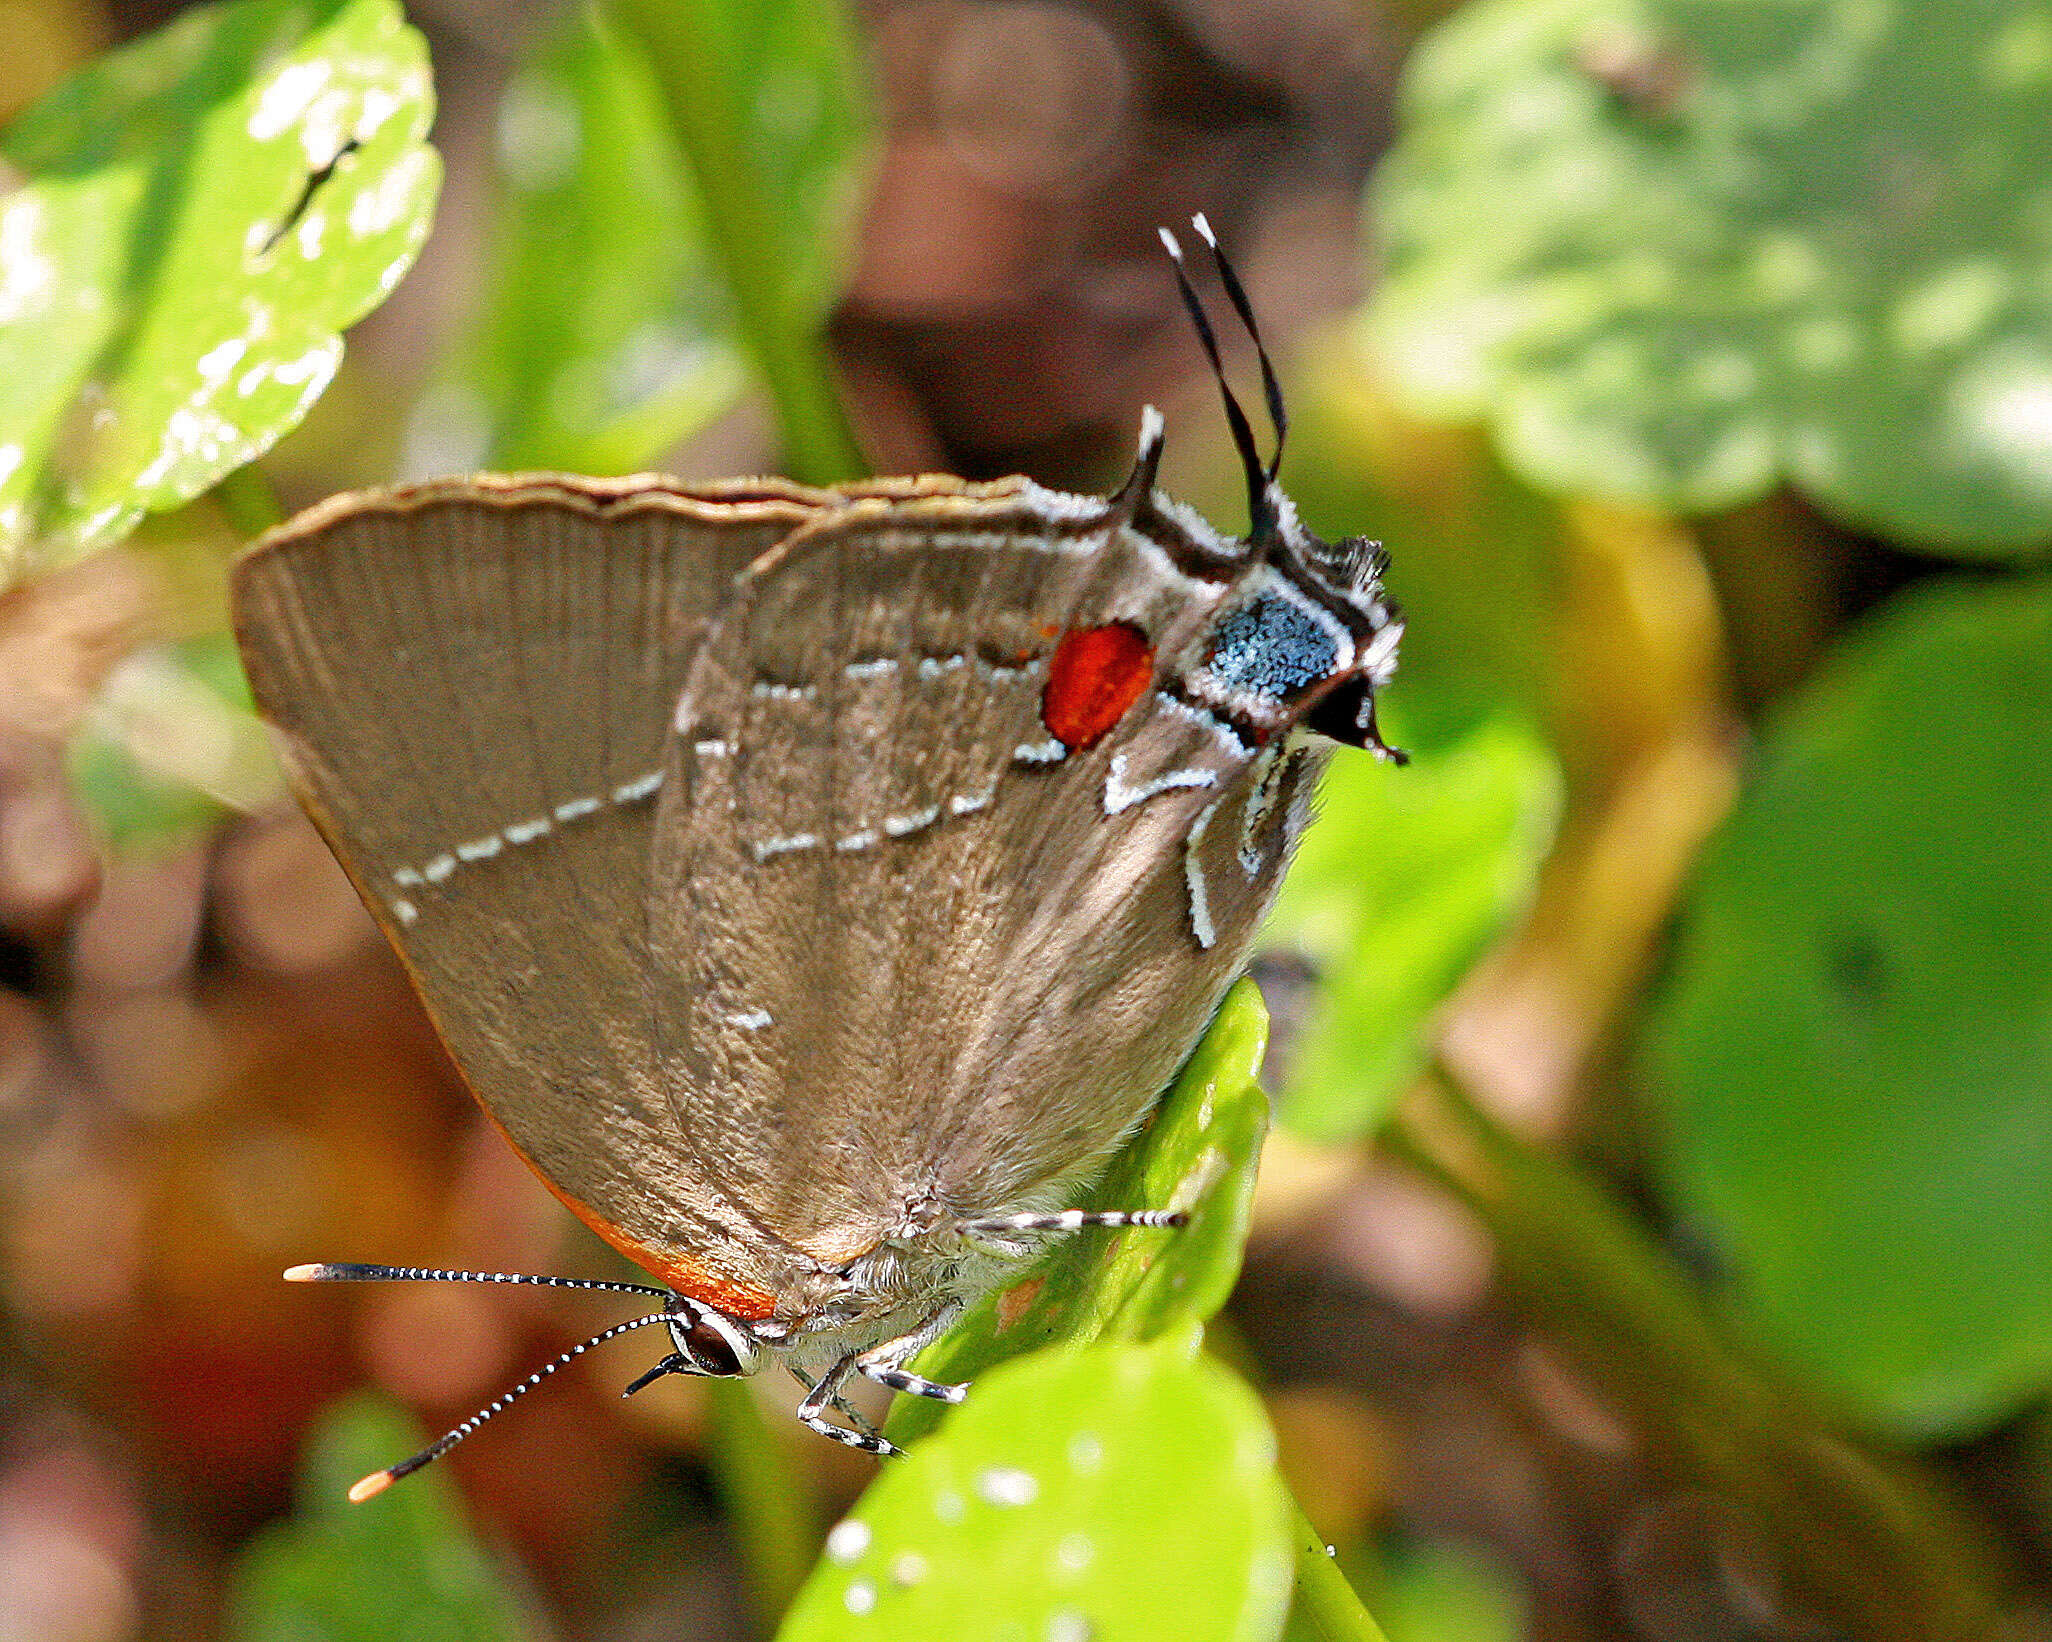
(473, 682)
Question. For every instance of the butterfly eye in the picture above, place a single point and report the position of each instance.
(1346, 714)
(706, 1347)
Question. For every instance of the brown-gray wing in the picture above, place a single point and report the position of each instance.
(474, 681)
(875, 851)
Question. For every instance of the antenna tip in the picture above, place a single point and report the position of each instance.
(305, 1274)
(1169, 244)
(1202, 224)
(370, 1487)
(1152, 428)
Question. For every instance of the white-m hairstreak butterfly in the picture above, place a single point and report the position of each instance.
(815, 886)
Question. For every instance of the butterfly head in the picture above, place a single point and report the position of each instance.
(1311, 638)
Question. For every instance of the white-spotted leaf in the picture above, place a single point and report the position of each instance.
(1118, 1493)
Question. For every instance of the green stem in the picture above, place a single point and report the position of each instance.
(691, 45)
(1875, 1549)
(1326, 1603)
(774, 1521)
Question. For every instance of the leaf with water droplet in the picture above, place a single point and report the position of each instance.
(207, 209)
(1118, 1493)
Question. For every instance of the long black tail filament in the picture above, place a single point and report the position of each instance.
(1236, 294)
(1260, 475)
(378, 1481)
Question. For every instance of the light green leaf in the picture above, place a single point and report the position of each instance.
(607, 336)
(1404, 881)
(1119, 1493)
(1856, 1046)
(208, 208)
(336, 1572)
(1198, 1154)
(1679, 250)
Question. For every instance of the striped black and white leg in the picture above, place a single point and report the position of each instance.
(885, 1364)
(825, 1394)
(840, 1405)
(1069, 1220)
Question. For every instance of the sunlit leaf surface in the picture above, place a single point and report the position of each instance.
(1679, 250)
(208, 208)
(1120, 1493)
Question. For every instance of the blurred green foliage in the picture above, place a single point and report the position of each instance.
(603, 337)
(612, 328)
(766, 102)
(170, 740)
(334, 1572)
(1411, 875)
(1440, 1592)
(1857, 1039)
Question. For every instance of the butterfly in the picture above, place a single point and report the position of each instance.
(816, 886)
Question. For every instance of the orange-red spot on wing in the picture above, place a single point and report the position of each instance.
(1096, 674)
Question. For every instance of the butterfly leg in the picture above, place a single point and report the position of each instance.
(997, 1230)
(885, 1364)
(825, 1394)
(841, 1405)
(1015, 1236)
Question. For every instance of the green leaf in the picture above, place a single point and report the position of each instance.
(1407, 877)
(765, 100)
(606, 337)
(1113, 1493)
(1856, 1046)
(1198, 1154)
(208, 208)
(1679, 250)
(336, 1572)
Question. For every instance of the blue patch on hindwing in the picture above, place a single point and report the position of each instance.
(1270, 646)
